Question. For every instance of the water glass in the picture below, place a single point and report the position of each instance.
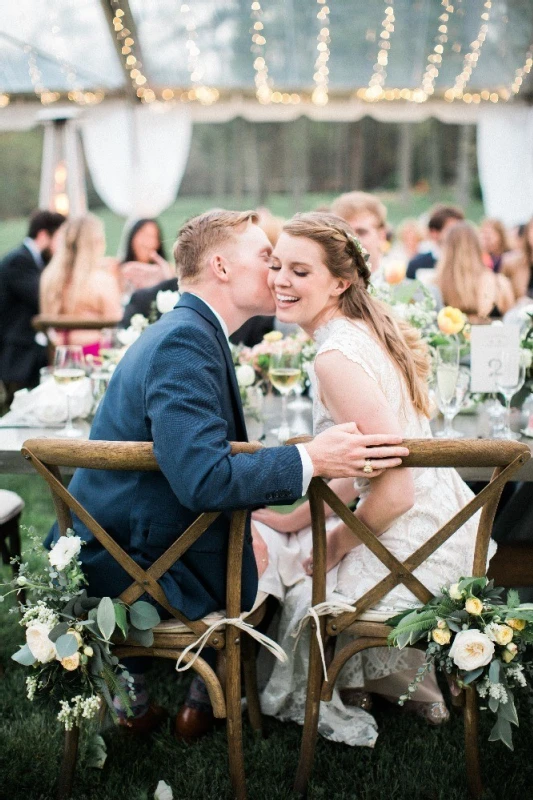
(284, 372)
(69, 368)
(509, 381)
(451, 407)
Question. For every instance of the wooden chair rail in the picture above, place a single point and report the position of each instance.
(66, 322)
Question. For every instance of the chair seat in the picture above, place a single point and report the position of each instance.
(174, 626)
(11, 504)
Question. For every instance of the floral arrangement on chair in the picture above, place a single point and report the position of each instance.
(475, 638)
(70, 636)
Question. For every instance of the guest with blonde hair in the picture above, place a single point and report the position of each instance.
(76, 283)
(494, 242)
(464, 280)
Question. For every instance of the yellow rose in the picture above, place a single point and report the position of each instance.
(512, 648)
(502, 634)
(517, 624)
(395, 271)
(273, 336)
(76, 635)
(88, 651)
(508, 656)
(474, 606)
(441, 636)
(450, 320)
(71, 663)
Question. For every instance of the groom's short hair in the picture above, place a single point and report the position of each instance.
(201, 235)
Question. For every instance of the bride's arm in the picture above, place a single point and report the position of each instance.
(358, 398)
(300, 517)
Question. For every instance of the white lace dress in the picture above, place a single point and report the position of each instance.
(438, 495)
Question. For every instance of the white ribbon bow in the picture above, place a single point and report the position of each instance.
(327, 608)
(238, 622)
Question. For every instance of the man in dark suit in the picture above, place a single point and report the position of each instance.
(176, 387)
(441, 219)
(142, 302)
(21, 356)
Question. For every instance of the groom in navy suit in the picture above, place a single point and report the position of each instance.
(176, 387)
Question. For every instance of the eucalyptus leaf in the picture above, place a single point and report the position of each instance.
(468, 677)
(495, 671)
(121, 619)
(58, 630)
(105, 616)
(24, 656)
(143, 615)
(493, 704)
(454, 626)
(97, 752)
(502, 732)
(66, 645)
(95, 662)
(508, 710)
(142, 637)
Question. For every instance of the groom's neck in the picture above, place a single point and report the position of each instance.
(220, 302)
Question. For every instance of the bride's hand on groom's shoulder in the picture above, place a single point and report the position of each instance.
(278, 522)
(343, 452)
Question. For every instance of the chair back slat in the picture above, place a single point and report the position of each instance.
(423, 453)
(47, 455)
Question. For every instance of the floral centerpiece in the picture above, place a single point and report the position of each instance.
(70, 636)
(165, 301)
(477, 639)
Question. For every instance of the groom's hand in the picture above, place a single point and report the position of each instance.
(342, 452)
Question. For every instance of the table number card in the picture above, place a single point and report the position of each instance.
(487, 343)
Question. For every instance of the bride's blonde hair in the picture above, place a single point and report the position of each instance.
(343, 256)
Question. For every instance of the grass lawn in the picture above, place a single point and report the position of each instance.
(13, 230)
(411, 761)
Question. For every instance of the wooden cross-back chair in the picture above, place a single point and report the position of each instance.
(170, 637)
(64, 322)
(507, 457)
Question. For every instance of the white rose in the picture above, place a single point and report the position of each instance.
(245, 375)
(40, 645)
(454, 592)
(166, 300)
(127, 336)
(471, 649)
(163, 791)
(525, 358)
(139, 322)
(65, 549)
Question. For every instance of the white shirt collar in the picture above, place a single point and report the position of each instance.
(217, 315)
(34, 250)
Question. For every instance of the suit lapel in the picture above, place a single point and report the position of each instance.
(194, 302)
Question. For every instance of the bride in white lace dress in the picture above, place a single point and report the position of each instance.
(370, 369)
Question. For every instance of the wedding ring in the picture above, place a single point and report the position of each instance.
(368, 469)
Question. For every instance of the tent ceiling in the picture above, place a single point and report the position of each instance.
(71, 46)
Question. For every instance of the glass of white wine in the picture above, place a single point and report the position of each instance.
(284, 372)
(69, 368)
(447, 375)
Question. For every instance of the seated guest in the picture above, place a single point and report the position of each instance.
(21, 356)
(494, 242)
(144, 264)
(442, 218)
(518, 265)
(368, 218)
(464, 280)
(77, 284)
(407, 241)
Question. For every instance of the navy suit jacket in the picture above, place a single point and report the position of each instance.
(176, 386)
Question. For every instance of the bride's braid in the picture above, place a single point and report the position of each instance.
(346, 258)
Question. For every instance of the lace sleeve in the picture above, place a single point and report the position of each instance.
(357, 346)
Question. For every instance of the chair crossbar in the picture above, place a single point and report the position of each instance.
(489, 493)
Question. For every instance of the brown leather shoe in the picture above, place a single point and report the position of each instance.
(192, 724)
(149, 722)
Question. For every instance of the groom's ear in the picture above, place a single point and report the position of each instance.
(217, 264)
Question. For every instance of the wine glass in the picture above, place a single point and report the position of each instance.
(447, 373)
(284, 372)
(509, 380)
(450, 409)
(69, 368)
(300, 403)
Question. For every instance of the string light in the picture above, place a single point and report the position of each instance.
(263, 89)
(320, 95)
(434, 60)
(204, 94)
(131, 62)
(471, 59)
(521, 71)
(377, 81)
(4, 99)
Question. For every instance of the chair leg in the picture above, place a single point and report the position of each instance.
(473, 771)
(312, 709)
(15, 549)
(234, 713)
(250, 685)
(68, 764)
